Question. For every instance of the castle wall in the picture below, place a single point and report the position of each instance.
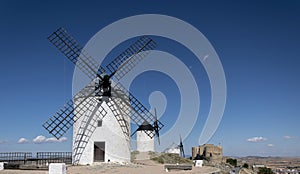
(209, 151)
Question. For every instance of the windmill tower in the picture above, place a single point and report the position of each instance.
(144, 142)
(145, 134)
(101, 112)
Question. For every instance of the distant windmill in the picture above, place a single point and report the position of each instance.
(88, 108)
(145, 143)
(181, 148)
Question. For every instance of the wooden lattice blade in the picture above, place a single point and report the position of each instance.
(129, 58)
(64, 42)
(133, 107)
(64, 118)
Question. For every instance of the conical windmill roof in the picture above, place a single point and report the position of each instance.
(145, 126)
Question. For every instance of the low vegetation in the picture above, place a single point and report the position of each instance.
(168, 158)
(133, 155)
(245, 165)
(265, 170)
(232, 162)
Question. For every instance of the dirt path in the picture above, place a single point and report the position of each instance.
(23, 172)
(117, 169)
(142, 156)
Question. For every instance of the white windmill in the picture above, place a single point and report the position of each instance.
(145, 134)
(101, 112)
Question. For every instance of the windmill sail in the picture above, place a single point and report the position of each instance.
(129, 58)
(137, 111)
(64, 118)
(64, 42)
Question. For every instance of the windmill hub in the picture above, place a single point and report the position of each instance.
(103, 86)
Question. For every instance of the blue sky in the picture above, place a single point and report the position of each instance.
(257, 43)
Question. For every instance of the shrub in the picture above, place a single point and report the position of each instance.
(264, 170)
(232, 162)
(245, 165)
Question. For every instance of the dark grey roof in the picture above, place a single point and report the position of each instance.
(145, 126)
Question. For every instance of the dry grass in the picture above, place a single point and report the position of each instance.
(133, 155)
(168, 158)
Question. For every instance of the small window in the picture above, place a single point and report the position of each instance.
(99, 123)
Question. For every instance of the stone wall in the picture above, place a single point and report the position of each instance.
(210, 151)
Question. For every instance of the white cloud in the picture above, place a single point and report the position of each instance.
(270, 145)
(51, 140)
(256, 139)
(23, 141)
(39, 139)
(54, 140)
(42, 139)
(3, 141)
(289, 137)
(63, 139)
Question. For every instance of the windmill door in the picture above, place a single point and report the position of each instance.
(99, 151)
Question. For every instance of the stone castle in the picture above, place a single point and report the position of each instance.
(210, 151)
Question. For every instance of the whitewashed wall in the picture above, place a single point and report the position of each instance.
(143, 142)
(117, 147)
